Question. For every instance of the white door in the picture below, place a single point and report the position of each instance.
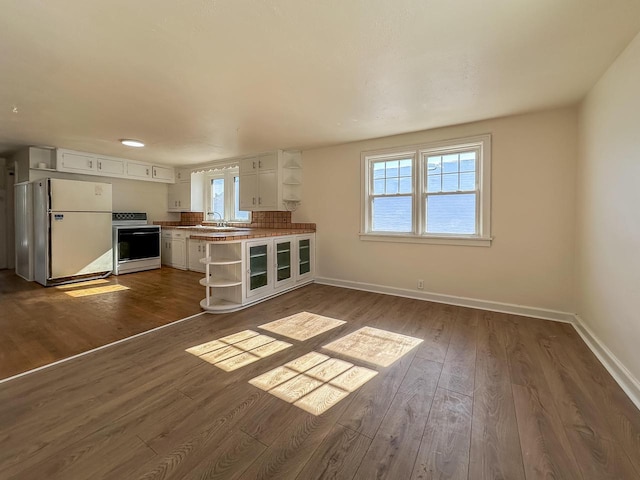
(268, 190)
(163, 173)
(248, 185)
(80, 243)
(73, 162)
(110, 167)
(75, 196)
(138, 170)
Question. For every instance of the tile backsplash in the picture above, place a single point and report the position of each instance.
(274, 219)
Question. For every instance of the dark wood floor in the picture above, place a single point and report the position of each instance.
(41, 325)
(486, 395)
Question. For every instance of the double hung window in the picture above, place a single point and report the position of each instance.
(435, 193)
(223, 197)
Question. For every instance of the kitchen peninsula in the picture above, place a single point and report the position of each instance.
(245, 263)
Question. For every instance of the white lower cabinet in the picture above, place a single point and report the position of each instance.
(196, 250)
(174, 249)
(240, 273)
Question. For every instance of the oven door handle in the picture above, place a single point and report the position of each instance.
(145, 233)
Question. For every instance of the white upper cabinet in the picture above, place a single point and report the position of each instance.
(76, 163)
(186, 195)
(92, 164)
(165, 174)
(138, 170)
(268, 181)
(113, 167)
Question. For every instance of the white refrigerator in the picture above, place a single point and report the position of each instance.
(72, 230)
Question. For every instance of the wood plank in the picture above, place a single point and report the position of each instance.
(495, 443)
(595, 448)
(545, 446)
(337, 457)
(458, 372)
(394, 448)
(444, 450)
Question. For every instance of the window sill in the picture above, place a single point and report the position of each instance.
(434, 240)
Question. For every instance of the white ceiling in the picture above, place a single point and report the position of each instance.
(204, 79)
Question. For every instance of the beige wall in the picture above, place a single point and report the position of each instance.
(608, 199)
(531, 259)
(128, 195)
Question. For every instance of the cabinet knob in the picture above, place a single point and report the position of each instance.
(90, 163)
(259, 200)
(147, 171)
(259, 163)
(99, 165)
(254, 164)
(254, 200)
(154, 172)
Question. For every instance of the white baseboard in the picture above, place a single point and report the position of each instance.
(621, 374)
(513, 309)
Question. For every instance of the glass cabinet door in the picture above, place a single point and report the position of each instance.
(304, 255)
(283, 261)
(258, 270)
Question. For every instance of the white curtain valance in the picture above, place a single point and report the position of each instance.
(216, 166)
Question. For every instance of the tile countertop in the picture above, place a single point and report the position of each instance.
(202, 233)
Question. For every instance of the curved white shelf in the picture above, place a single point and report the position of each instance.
(219, 305)
(291, 165)
(220, 282)
(220, 261)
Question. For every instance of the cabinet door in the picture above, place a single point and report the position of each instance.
(196, 251)
(259, 269)
(268, 161)
(163, 173)
(248, 165)
(183, 175)
(138, 170)
(74, 162)
(179, 253)
(165, 253)
(268, 190)
(284, 267)
(248, 185)
(179, 197)
(110, 167)
(306, 254)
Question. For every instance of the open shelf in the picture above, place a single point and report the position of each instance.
(219, 305)
(220, 261)
(220, 282)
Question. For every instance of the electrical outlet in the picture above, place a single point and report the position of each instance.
(420, 284)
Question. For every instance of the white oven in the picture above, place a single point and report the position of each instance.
(136, 245)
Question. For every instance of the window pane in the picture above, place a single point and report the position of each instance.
(405, 185)
(468, 162)
(434, 183)
(378, 170)
(450, 182)
(405, 167)
(217, 196)
(392, 185)
(392, 168)
(468, 181)
(378, 186)
(450, 163)
(392, 214)
(454, 214)
(434, 165)
(239, 214)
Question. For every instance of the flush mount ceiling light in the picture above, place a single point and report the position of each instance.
(129, 142)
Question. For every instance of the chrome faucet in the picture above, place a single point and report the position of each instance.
(221, 222)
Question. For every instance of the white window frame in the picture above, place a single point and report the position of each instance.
(418, 154)
(228, 175)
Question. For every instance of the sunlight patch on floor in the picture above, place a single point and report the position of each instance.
(314, 382)
(82, 284)
(86, 292)
(372, 345)
(302, 326)
(235, 351)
